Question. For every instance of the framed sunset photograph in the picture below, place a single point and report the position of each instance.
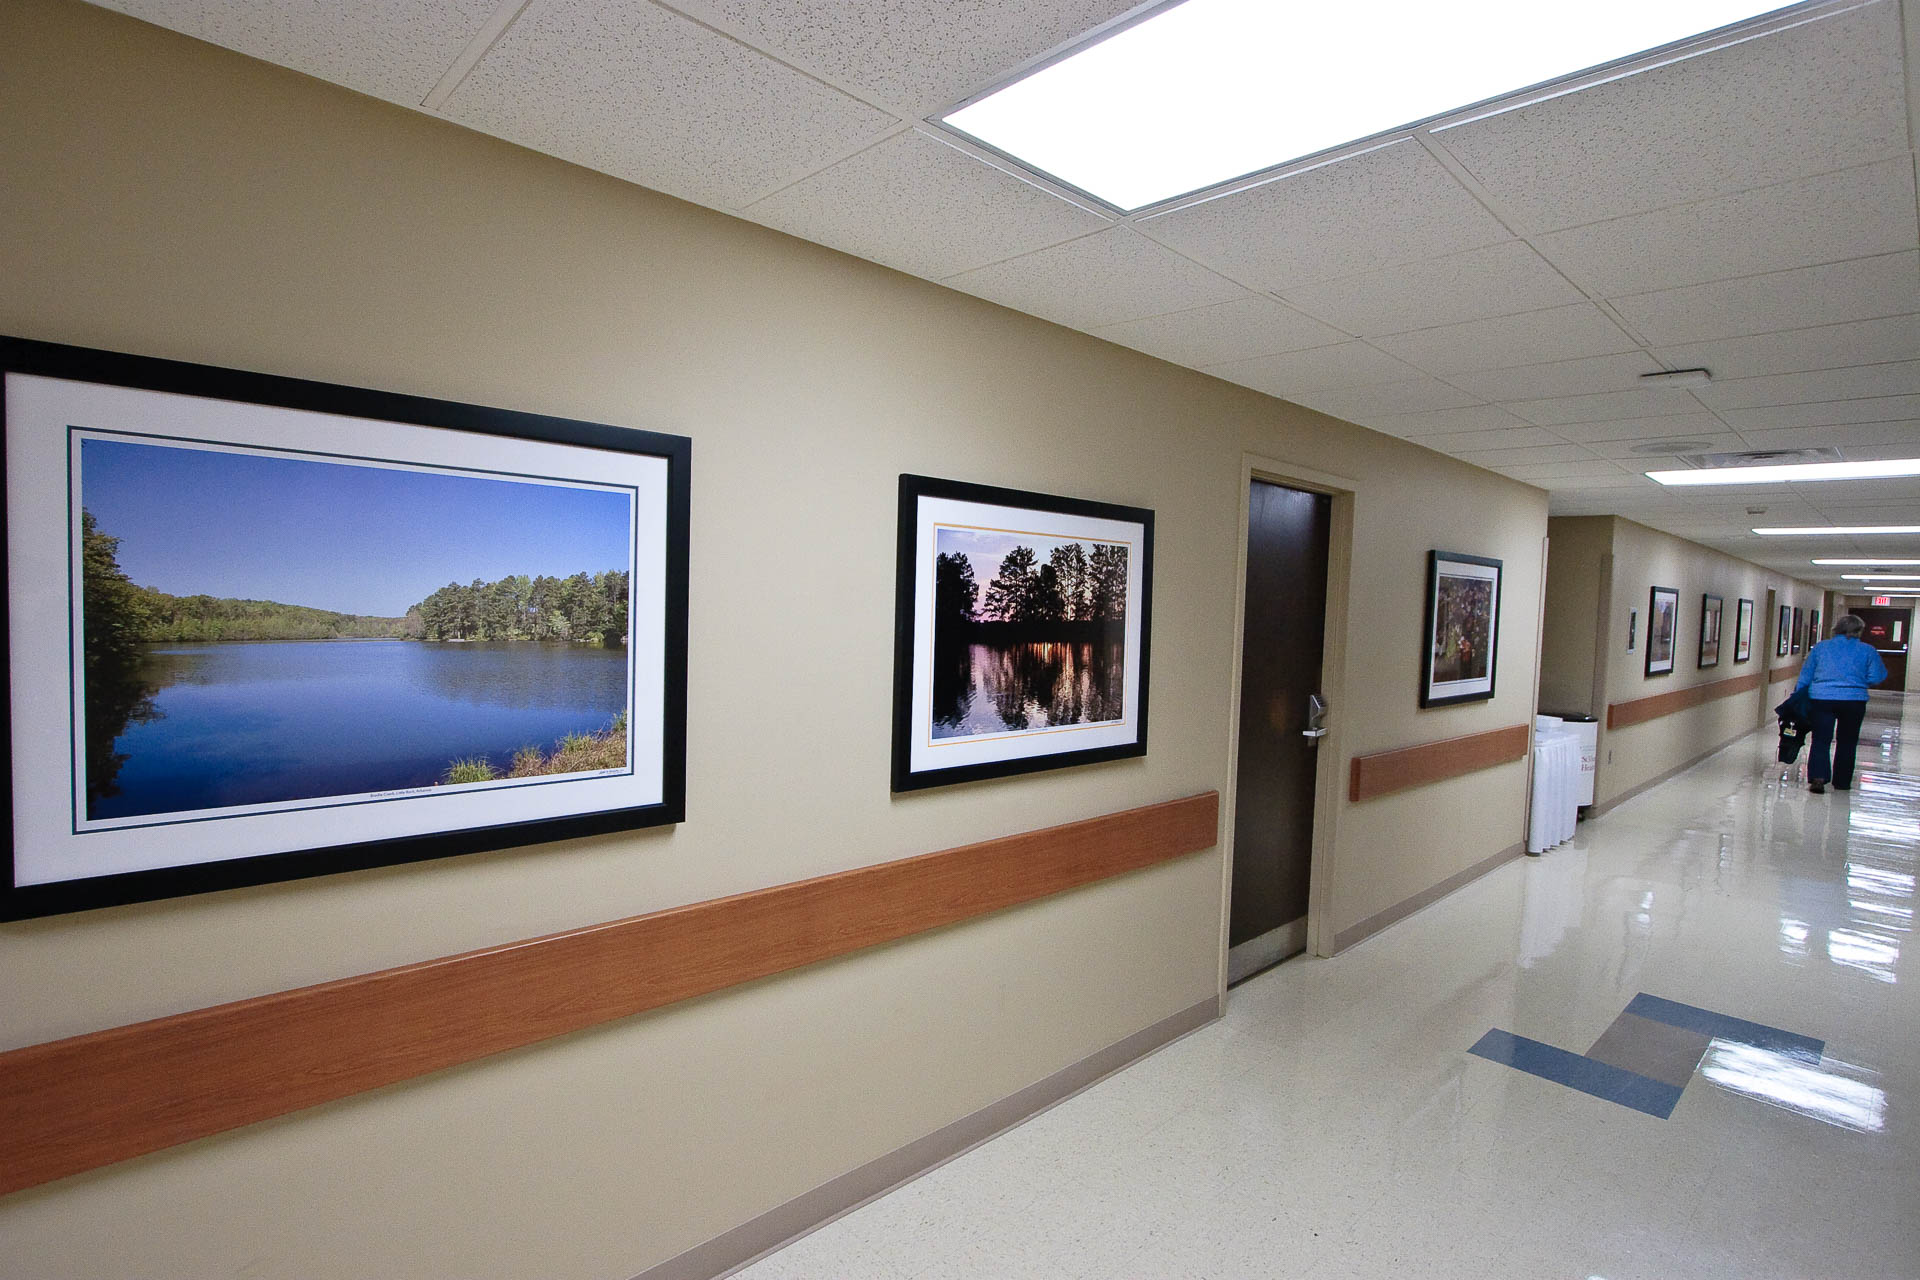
(262, 629)
(1021, 631)
(1463, 629)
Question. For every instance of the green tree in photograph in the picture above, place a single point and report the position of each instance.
(1107, 570)
(1010, 589)
(115, 619)
(1070, 570)
(954, 591)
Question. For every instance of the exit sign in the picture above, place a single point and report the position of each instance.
(1883, 600)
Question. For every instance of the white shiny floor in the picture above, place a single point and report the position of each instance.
(1334, 1125)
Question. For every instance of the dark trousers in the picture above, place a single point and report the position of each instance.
(1829, 716)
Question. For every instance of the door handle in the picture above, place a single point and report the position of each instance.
(1315, 733)
(1316, 717)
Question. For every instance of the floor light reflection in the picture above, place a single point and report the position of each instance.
(1836, 1093)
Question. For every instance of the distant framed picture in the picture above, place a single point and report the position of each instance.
(261, 628)
(1813, 627)
(1021, 629)
(1663, 624)
(1461, 643)
(1710, 609)
(1783, 633)
(1798, 634)
(1633, 630)
(1743, 631)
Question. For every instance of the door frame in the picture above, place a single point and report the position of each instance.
(1333, 679)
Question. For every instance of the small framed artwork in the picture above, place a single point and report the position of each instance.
(1463, 629)
(1021, 627)
(1783, 633)
(1710, 609)
(1813, 628)
(1797, 632)
(1633, 630)
(1743, 631)
(1663, 624)
(261, 629)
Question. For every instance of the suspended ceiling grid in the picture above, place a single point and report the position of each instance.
(1490, 285)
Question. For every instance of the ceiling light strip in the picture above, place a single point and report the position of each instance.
(1792, 473)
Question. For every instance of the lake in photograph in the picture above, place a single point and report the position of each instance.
(272, 722)
(1013, 687)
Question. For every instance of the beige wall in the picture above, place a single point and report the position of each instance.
(1639, 559)
(166, 198)
(1579, 559)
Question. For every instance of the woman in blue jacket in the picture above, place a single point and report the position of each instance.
(1836, 675)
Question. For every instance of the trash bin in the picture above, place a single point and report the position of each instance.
(1556, 785)
(1587, 729)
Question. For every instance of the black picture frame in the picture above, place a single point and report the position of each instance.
(1783, 633)
(84, 426)
(968, 678)
(1813, 627)
(1663, 629)
(1743, 631)
(1711, 609)
(1799, 629)
(1460, 641)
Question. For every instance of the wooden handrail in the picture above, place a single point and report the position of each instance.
(1641, 710)
(77, 1104)
(1386, 772)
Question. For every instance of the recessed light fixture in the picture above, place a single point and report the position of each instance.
(1211, 90)
(1823, 530)
(1880, 577)
(1882, 560)
(1891, 468)
(1681, 378)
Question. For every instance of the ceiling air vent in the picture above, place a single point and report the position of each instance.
(1761, 458)
(1669, 448)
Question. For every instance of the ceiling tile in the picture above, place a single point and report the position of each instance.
(1845, 435)
(1465, 442)
(1608, 406)
(1514, 457)
(1854, 214)
(1829, 414)
(1562, 333)
(392, 49)
(1252, 326)
(1473, 417)
(1390, 205)
(1560, 378)
(1864, 289)
(1346, 364)
(1587, 483)
(1722, 441)
(1901, 378)
(1825, 94)
(649, 96)
(1682, 426)
(917, 56)
(913, 202)
(1476, 285)
(1358, 404)
(1593, 470)
(1098, 280)
(1797, 350)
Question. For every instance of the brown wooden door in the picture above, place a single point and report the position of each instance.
(1889, 631)
(1287, 533)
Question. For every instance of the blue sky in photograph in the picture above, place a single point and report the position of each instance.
(332, 535)
(986, 548)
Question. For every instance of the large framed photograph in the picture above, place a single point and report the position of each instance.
(261, 628)
(1783, 634)
(1710, 611)
(1462, 631)
(1743, 631)
(1021, 630)
(1663, 624)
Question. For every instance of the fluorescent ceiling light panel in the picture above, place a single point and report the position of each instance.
(1880, 560)
(1880, 577)
(1211, 90)
(1892, 468)
(1822, 530)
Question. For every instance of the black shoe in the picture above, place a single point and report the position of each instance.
(1816, 787)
